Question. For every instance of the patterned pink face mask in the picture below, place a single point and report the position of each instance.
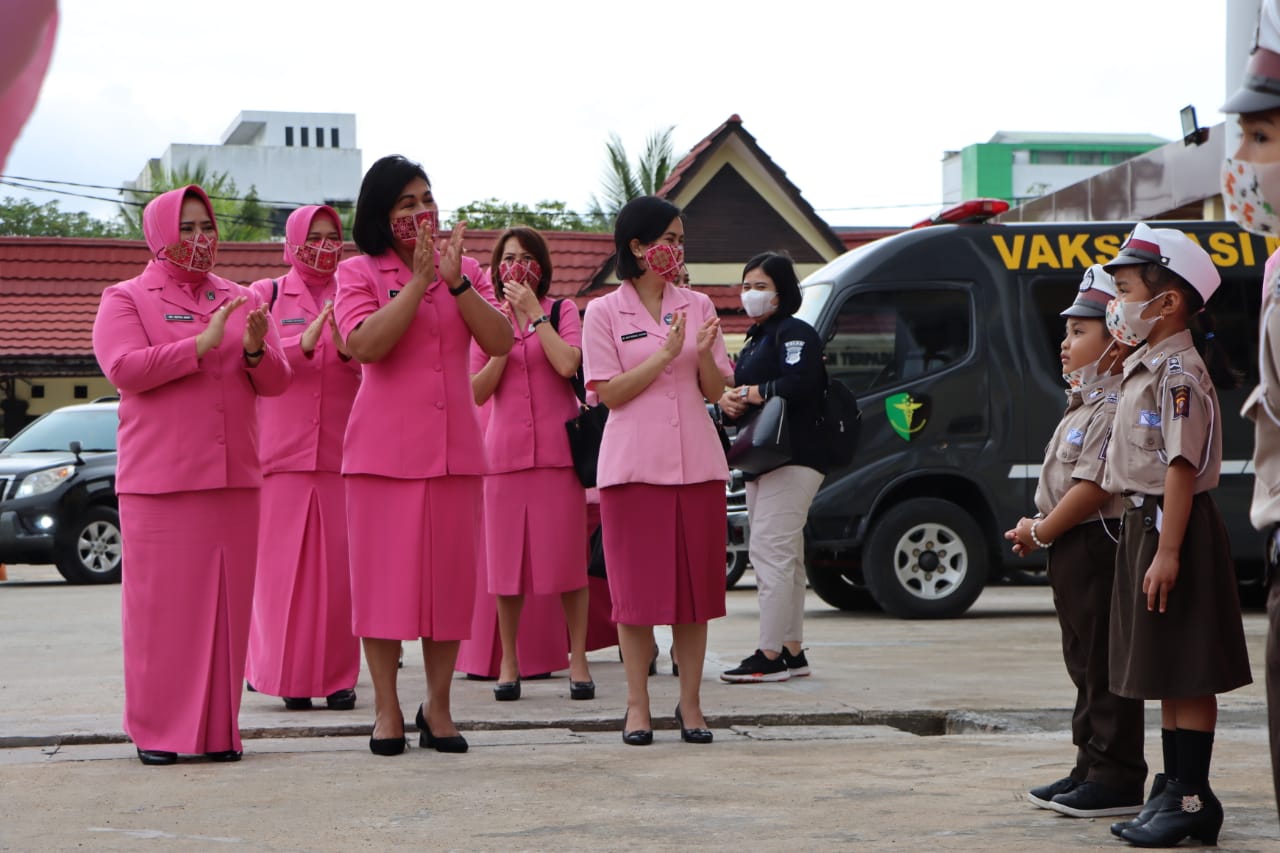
(322, 256)
(194, 255)
(665, 260)
(405, 228)
(528, 274)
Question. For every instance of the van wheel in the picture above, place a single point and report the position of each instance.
(735, 566)
(90, 551)
(925, 559)
(836, 586)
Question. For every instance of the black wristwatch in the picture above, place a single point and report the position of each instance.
(259, 354)
(538, 322)
(462, 288)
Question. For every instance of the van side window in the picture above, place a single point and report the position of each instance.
(887, 338)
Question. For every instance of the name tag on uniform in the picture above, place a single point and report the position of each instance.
(635, 336)
(294, 321)
(179, 318)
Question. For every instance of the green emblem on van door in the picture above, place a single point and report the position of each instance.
(907, 415)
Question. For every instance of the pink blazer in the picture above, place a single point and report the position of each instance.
(414, 415)
(303, 428)
(532, 401)
(664, 435)
(185, 423)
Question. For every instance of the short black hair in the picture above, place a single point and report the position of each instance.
(644, 219)
(778, 266)
(533, 243)
(1159, 279)
(382, 185)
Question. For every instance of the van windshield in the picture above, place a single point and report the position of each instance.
(95, 430)
(812, 299)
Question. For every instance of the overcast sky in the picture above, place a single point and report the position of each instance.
(855, 101)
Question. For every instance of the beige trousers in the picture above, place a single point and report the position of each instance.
(777, 506)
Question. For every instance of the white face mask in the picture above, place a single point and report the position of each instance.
(1083, 377)
(1126, 323)
(1251, 192)
(757, 303)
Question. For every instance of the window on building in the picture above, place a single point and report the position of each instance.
(288, 136)
(319, 137)
(305, 132)
(333, 137)
(37, 392)
(1114, 157)
(1087, 158)
(80, 392)
(1043, 158)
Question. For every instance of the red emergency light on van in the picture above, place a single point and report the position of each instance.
(967, 212)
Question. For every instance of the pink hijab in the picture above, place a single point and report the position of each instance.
(26, 46)
(162, 224)
(296, 228)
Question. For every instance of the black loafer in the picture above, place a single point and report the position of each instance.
(507, 691)
(692, 735)
(224, 755)
(582, 689)
(341, 700)
(157, 757)
(297, 703)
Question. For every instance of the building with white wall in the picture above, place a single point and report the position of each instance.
(289, 158)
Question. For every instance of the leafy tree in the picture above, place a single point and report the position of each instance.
(239, 219)
(24, 218)
(622, 182)
(496, 215)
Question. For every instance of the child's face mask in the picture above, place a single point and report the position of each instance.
(1126, 323)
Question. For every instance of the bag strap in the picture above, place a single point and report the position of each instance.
(275, 290)
(577, 380)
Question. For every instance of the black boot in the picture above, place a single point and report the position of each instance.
(1153, 805)
(1185, 812)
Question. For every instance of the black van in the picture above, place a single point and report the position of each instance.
(948, 335)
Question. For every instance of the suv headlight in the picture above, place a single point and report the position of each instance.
(44, 481)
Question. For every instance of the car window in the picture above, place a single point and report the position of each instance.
(95, 430)
(888, 337)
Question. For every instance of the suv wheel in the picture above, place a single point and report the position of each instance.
(90, 552)
(735, 563)
(925, 558)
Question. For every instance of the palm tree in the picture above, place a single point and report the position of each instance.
(622, 182)
(239, 219)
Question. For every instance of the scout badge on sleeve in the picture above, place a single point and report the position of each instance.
(1181, 395)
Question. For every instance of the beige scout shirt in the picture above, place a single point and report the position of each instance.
(1263, 405)
(1168, 409)
(1078, 449)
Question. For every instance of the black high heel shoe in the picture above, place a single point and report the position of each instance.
(693, 735)
(426, 740)
(653, 661)
(635, 737)
(1184, 812)
(341, 700)
(582, 689)
(224, 755)
(388, 745)
(297, 703)
(507, 691)
(1152, 806)
(157, 757)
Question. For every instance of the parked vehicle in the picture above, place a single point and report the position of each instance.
(57, 493)
(949, 335)
(736, 558)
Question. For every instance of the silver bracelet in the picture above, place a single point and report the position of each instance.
(1036, 539)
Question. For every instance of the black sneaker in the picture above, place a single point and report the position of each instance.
(757, 668)
(1044, 794)
(797, 664)
(1093, 799)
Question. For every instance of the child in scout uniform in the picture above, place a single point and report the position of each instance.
(1251, 189)
(1076, 521)
(1176, 632)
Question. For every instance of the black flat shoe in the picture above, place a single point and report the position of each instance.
(341, 700)
(582, 689)
(157, 757)
(693, 735)
(507, 691)
(224, 755)
(297, 703)
(1153, 805)
(1185, 812)
(388, 745)
(636, 737)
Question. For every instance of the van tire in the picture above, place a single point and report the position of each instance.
(835, 587)
(925, 559)
(90, 552)
(735, 564)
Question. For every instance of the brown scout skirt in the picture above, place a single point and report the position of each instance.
(1196, 647)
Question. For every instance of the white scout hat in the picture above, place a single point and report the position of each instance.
(1173, 250)
(1260, 88)
(1097, 288)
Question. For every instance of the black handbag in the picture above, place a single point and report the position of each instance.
(764, 442)
(585, 432)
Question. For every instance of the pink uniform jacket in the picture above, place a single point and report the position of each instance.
(303, 429)
(663, 436)
(186, 423)
(414, 415)
(532, 402)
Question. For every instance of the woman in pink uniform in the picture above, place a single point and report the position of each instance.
(413, 457)
(190, 353)
(535, 507)
(300, 640)
(662, 470)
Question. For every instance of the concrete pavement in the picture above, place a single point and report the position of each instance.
(909, 735)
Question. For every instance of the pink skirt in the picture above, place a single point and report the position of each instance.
(535, 531)
(300, 640)
(664, 552)
(185, 603)
(413, 547)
